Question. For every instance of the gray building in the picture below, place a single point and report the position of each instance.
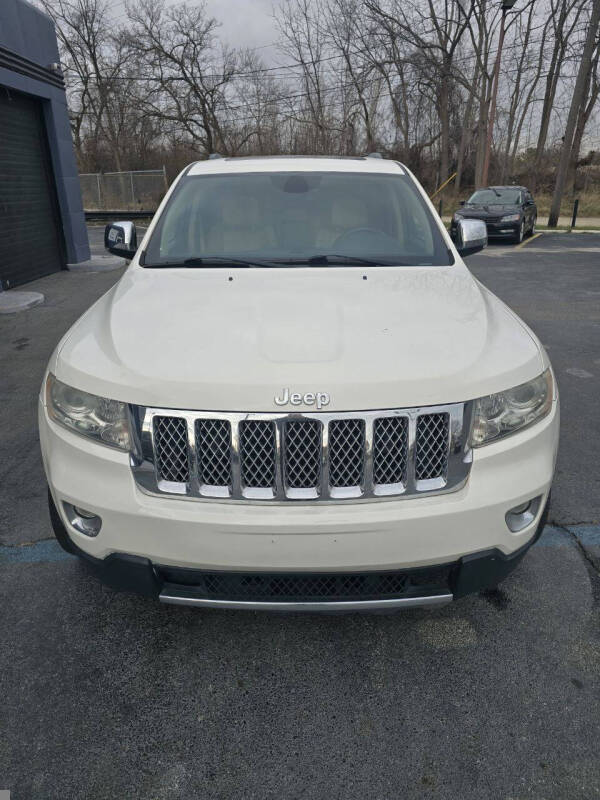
(42, 225)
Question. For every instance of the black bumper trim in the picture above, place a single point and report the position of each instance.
(130, 573)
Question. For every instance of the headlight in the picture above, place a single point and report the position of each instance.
(97, 417)
(499, 415)
(511, 218)
(457, 216)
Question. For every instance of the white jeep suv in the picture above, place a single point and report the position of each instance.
(298, 397)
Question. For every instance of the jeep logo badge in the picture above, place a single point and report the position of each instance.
(318, 399)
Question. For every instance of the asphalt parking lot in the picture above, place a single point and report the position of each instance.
(107, 695)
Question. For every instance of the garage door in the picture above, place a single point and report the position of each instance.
(30, 233)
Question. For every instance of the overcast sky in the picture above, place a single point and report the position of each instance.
(245, 22)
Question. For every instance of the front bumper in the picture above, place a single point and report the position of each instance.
(145, 534)
(495, 230)
(301, 591)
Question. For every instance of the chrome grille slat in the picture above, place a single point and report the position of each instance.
(431, 460)
(346, 452)
(302, 462)
(310, 457)
(213, 449)
(171, 443)
(390, 442)
(258, 456)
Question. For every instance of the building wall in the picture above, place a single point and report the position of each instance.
(27, 47)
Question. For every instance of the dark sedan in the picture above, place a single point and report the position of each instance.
(509, 212)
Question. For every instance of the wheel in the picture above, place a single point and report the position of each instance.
(532, 229)
(520, 233)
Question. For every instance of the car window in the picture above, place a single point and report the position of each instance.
(497, 197)
(289, 216)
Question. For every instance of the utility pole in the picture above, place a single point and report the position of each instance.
(506, 6)
(576, 101)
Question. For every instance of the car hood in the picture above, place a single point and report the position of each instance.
(230, 340)
(483, 212)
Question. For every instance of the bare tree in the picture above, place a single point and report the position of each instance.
(303, 40)
(95, 62)
(591, 94)
(192, 71)
(433, 32)
(563, 20)
(412, 78)
(577, 101)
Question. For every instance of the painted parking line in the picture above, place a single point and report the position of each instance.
(554, 537)
(41, 552)
(49, 550)
(527, 241)
(588, 535)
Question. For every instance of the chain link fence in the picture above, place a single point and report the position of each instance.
(141, 190)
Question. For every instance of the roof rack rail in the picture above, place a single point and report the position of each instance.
(374, 155)
(215, 155)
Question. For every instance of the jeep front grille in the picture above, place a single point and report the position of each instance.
(313, 456)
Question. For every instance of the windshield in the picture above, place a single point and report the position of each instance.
(291, 217)
(495, 197)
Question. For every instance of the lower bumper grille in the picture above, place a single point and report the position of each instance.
(314, 456)
(308, 587)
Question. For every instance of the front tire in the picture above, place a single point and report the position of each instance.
(519, 236)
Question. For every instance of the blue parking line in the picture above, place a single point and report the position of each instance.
(40, 552)
(588, 535)
(554, 537)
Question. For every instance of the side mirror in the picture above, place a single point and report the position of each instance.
(120, 239)
(471, 236)
(462, 202)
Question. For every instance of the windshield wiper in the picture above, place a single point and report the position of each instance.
(212, 261)
(226, 261)
(335, 258)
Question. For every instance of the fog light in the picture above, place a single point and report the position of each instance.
(85, 522)
(523, 515)
(82, 513)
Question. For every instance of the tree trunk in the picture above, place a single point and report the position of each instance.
(482, 127)
(465, 136)
(444, 113)
(576, 103)
(551, 81)
(590, 96)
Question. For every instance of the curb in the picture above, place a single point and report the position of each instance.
(98, 264)
(11, 302)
